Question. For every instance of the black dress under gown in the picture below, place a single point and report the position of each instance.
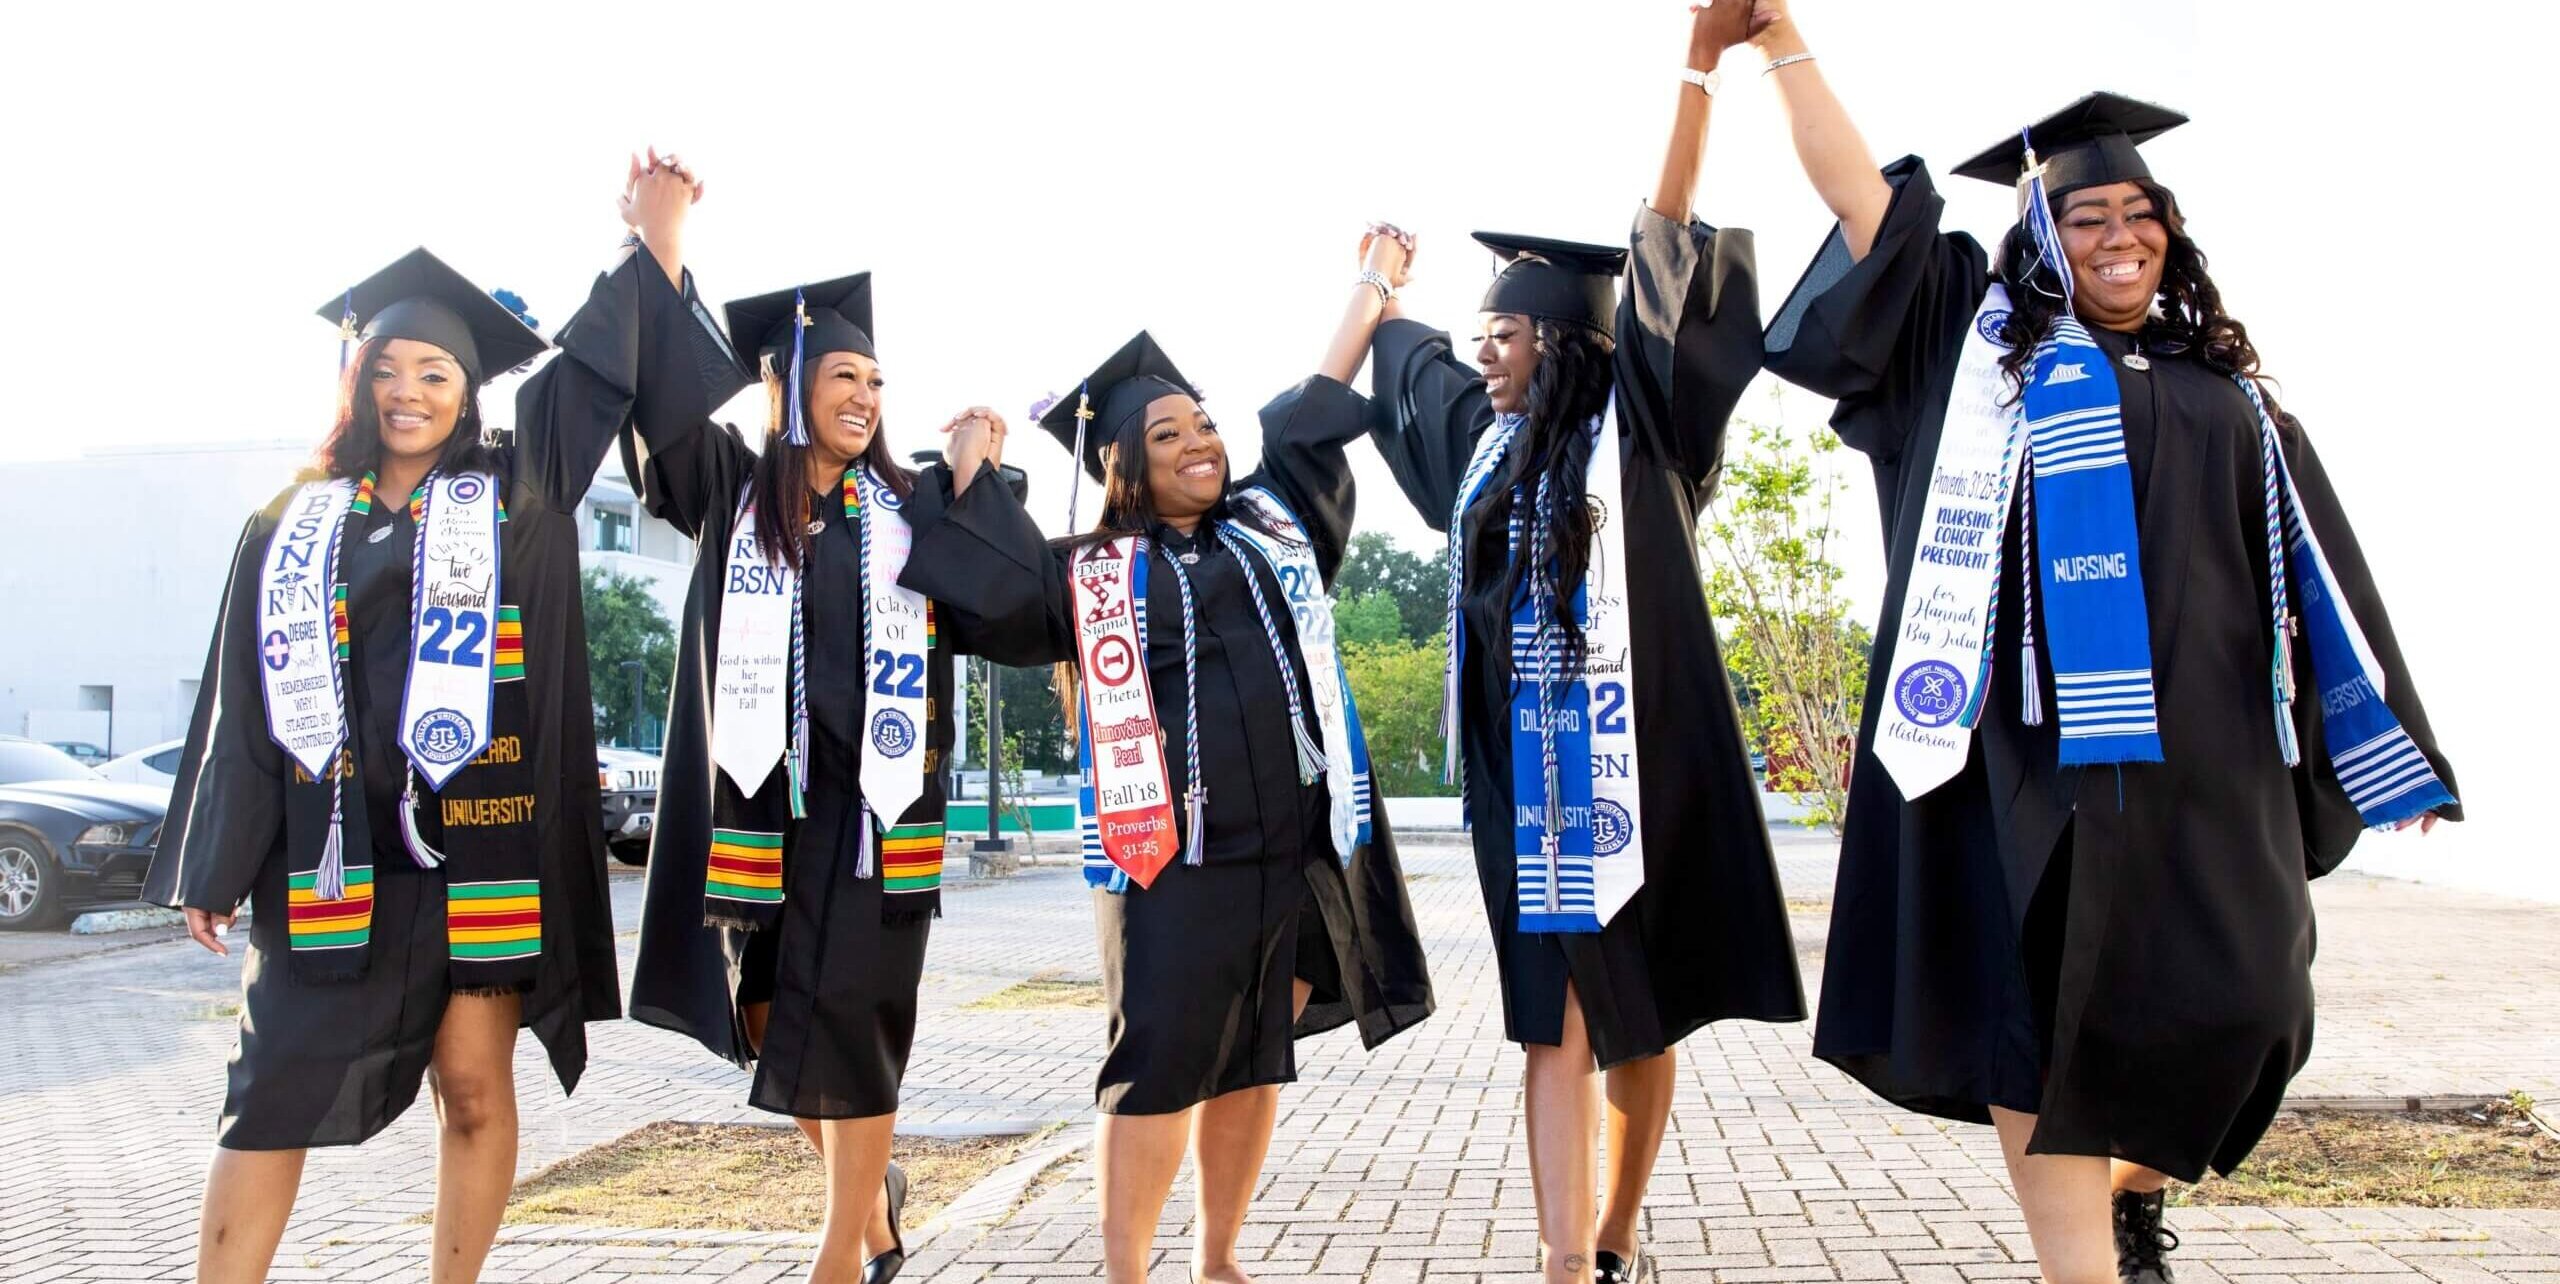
(840, 973)
(331, 1064)
(1706, 939)
(2126, 952)
(1197, 967)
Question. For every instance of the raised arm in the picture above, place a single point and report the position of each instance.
(1828, 145)
(1713, 27)
(683, 465)
(569, 412)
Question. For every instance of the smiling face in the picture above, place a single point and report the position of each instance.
(1186, 458)
(1508, 354)
(418, 395)
(2118, 244)
(844, 405)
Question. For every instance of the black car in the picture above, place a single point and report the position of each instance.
(67, 837)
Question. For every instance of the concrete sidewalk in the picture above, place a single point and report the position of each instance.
(1393, 1166)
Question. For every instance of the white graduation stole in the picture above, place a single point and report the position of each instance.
(1133, 798)
(1942, 634)
(1606, 695)
(750, 687)
(297, 649)
(1609, 673)
(756, 704)
(897, 633)
(1293, 560)
(453, 627)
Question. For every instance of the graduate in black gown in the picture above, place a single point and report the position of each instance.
(795, 866)
(1272, 906)
(2109, 959)
(403, 925)
(1704, 937)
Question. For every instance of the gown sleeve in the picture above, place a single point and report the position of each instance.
(1430, 407)
(1306, 436)
(684, 466)
(568, 413)
(981, 557)
(1689, 338)
(226, 810)
(2329, 819)
(1873, 334)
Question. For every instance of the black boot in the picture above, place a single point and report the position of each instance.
(2142, 1243)
(1609, 1268)
(884, 1268)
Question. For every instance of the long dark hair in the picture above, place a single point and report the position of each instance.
(780, 487)
(1572, 383)
(354, 444)
(2191, 316)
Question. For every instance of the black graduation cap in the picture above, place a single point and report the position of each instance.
(420, 298)
(1555, 280)
(1118, 391)
(839, 313)
(2087, 144)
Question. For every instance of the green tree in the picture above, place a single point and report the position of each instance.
(1418, 585)
(1397, 685)
(1035, 728)
(1797, 656)
(625, 626)
(1366, 620)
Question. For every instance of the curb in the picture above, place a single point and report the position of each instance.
(981, 1207)
(102, 922)
(975, 1210)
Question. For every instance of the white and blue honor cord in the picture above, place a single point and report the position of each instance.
(1196, 794)
(796, 426)
(1310, 758)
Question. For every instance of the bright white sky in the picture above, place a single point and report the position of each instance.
(1033, 182)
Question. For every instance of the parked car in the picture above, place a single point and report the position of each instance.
(81, 751)
(68, 838)
(629, 780)
(155, 765)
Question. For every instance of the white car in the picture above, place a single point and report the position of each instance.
(155, 765)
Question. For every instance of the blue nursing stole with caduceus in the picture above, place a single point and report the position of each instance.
(2085, 541)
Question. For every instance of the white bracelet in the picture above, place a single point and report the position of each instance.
(1789, 60)
(1379, 283)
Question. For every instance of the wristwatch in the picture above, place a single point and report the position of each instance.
(1708, 82)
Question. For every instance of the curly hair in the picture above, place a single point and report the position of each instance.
(1572, 384)
(2190, 316)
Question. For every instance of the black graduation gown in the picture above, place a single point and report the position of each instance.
(840, 972)
(1707, 937)
(1196, 967)
(2156, 1000)
(333, 1063)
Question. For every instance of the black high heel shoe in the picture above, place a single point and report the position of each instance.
(885, 1267)
(1609, 1268)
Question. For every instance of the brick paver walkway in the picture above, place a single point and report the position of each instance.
(1393, 1166)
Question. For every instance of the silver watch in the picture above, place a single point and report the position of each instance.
(1708, 82)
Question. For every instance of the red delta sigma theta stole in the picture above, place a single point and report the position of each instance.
(1132, 800)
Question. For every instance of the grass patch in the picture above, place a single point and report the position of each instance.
(216, 1012)
(2488, 1158)
(733, 1177)
(1046, 990)
(1807, 905)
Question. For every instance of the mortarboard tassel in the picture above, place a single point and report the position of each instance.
(2039, 218)
(1075, 465)
(347, 332)
(796, 431)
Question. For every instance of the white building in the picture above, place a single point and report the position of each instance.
(111, 566)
